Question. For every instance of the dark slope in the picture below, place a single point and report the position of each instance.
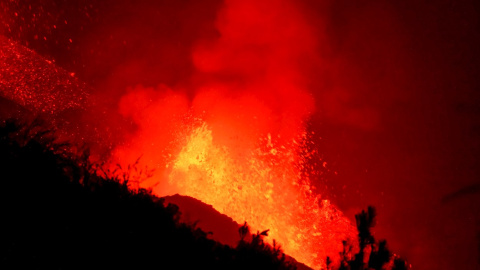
(223, 228)
(56, 215)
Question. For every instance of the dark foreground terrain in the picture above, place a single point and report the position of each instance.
(57, 214)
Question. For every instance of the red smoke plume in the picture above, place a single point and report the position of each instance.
(240, 143)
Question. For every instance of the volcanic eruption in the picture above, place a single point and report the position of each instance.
(266, 110)
(241, 143)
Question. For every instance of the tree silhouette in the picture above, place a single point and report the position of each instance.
(372, 254)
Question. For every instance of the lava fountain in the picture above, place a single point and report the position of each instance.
(240, 143)
(267, 187)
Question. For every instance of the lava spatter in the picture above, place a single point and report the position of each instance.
(266, 187)
(36, 83)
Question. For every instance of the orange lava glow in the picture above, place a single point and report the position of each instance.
(266, 187)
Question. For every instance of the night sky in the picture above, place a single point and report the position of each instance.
(404, 135)
(395, 86)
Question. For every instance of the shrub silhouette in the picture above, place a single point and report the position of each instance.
(260, 253)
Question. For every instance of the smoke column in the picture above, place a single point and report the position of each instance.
(240, 142)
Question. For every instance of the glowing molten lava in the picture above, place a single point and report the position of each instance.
(238, 139)
(265, 187)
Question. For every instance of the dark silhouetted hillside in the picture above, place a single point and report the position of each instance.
(224, 228)
(57, 215)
